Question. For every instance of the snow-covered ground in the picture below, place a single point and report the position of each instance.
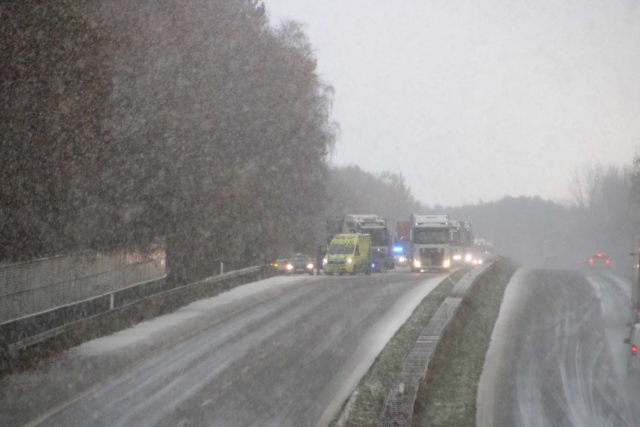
(513, 300)
(384, 329)
(556, 356)
(147, 330)
(283, 351)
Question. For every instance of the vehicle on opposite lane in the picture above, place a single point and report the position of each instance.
(599, 261)
(633, 361)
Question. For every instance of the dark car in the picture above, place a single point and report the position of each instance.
(599, 261)
(300, 263)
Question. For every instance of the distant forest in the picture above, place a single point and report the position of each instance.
(199, 127)
(601, 215)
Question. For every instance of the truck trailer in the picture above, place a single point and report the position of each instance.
(461, 241)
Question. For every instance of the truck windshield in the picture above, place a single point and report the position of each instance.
(341, 249)
(379, 236)
(431, 236)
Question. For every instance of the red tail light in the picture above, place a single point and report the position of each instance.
(607, 261)
(599, 255)
(591, 260)
(634, 350)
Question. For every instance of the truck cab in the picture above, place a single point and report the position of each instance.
(430, 243)
(349, 253)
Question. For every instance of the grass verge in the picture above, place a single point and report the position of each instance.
(447, 395)
(364, 406)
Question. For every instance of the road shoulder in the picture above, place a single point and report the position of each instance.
(501, 341)
(55, 382)
(364, 405)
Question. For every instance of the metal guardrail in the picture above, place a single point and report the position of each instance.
(398, 406)
(26, 331)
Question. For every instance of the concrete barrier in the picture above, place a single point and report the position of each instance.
(398, 405)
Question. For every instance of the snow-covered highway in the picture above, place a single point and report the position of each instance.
(557, 356)
(283, 351)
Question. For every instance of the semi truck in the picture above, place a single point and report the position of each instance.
(370, 224)
(430, 243)
(461, 241)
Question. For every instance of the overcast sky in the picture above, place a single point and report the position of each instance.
(478, 99)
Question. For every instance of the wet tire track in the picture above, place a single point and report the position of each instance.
(563, 373)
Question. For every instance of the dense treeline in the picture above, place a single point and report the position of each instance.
(54, 82)
(517, 226)
(602, 216)
(195, 125)
(353, 190)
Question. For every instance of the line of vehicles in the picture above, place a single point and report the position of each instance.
(362, 243)
(556, 256)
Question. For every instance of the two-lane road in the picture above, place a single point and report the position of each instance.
(557, 357)
(285, 351)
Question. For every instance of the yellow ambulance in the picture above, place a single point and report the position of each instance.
(348, 253)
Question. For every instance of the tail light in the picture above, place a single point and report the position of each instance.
(591, 260)
(634, 350)
(607, 261)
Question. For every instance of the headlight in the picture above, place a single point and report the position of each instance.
(401, 259)
(349, 260)
(289, 267)
(446, 263)
(324, 261)
(417, 263)
(475, 261)
(457, 257)
(467, 258)
(310, 266)
(479, 261)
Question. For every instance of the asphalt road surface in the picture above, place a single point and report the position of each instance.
(557, 356)
(281, 352)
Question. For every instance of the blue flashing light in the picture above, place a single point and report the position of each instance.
(398, 249)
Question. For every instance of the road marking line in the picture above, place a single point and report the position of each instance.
(206, 402)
